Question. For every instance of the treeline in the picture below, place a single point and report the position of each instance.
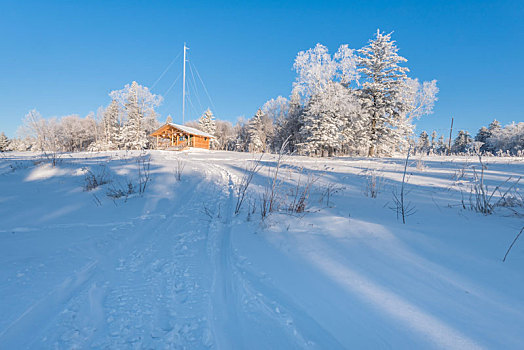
(352, 102)
(124, 124)
(494, 139)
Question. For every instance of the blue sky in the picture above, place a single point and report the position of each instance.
(64, 57)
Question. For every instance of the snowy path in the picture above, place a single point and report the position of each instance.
(176, 268)
(169, 280)
(129, 291)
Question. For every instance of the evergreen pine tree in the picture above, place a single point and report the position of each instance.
(207, 123)
(4, 142)
(494, 126)
(133, 131)
(287, 126)
(382, 94)
(494, 129)
(441, 146)
(462, 142)
(241, 130)
(111, 126)
(257, 138)
(423, 145)
(483, 136)
(323, 121)
(433, 141)
(139, 117)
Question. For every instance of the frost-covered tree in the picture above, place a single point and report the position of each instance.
(74, 133)
(206, 122)
(482, 137)
(242, 135)
(315, 69)
(47, 135)
(423, 145)
(421, 98)
(462, 142)
(21, 144)
(34, 130)
(111, 126)
(389, 98)
(288, 124)
(139, 116)
(494, 126)
(382, 93)
(277, 111)
(508, 139)
(133, 132)
(259, 131)
(169, 119)
(441, 146)
(225, 136)
(321, 118)
(434, 141)
(4, 142)
(324, 120)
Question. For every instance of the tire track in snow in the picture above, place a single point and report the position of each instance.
(244, 309)
(223, 317)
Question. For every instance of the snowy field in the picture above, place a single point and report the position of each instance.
(176, 268)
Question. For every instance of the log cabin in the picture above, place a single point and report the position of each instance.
(172, 136)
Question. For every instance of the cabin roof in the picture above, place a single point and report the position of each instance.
(186, 129)
(190, 130)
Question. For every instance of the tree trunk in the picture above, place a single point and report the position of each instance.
(371, 151)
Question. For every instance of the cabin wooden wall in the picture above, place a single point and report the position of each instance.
(200, 141)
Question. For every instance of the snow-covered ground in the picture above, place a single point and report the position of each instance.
(176, 268)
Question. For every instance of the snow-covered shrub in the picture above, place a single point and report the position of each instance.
(374, 182)
(512, 244)
(460, 173)
(512, 198)
(301, 192)
(118, 190)
(144, 172)
(401, 206)
(179, 169)
(421, 165)
(251, 169)
(270, 200)
(480, 199)
(327, 190)
(93, 180)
